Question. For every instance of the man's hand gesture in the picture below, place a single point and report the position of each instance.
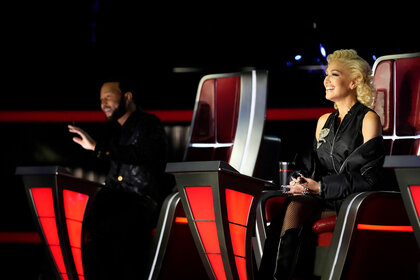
(85, 140)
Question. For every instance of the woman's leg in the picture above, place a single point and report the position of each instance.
(284, 237)
(301, 210)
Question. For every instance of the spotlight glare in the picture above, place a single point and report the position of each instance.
(374, 57)
(322, 50)
(298, 57)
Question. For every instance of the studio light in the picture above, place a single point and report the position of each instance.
(322, 50)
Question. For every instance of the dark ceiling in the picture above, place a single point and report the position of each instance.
(55, 53)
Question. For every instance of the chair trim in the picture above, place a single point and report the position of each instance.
(164, 226)
(210, 145)
(342, 235)
(392, 57)
(251, 119)
(260, 223)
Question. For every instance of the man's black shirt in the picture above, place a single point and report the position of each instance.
(138, 153)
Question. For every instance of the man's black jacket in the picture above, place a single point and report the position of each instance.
(138, 155)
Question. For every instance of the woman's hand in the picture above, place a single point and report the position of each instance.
(303, 186)
(85, 140)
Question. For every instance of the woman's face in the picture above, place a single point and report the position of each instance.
(338, 83)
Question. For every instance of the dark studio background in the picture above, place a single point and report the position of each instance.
(55, 53)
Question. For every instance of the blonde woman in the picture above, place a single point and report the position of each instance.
(347, 157)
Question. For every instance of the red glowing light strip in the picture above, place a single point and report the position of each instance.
(201, 203)
(52, 116)
(166, 116)
(74, 209)
(20, 237)
(238, 235)
(181, 220)
(238, 205)
(385, 228)
(216, 263)
(415, 195)
(44, 207)
(241, 265)
(286, 114)
(173, 115)
(200, 200)
(208, 235)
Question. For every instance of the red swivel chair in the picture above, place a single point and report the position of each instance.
(227, 125)
(397, 80)
(354, 245)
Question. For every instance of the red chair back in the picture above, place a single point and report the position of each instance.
(228, 120)
(218, 101)
(397, 102)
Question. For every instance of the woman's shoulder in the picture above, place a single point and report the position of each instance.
(371, 126)
(323, 119)
(321, 122)
(371, 118)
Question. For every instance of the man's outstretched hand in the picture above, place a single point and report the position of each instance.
(85, 140)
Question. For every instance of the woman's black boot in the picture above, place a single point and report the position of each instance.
(280, 254)
(287, 254)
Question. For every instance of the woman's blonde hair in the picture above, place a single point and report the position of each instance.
(359, 69)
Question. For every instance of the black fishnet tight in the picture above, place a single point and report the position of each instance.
(303, 210)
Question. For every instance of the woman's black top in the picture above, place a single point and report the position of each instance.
(342, 162)
(338, 140)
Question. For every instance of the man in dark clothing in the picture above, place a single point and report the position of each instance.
(126, 209)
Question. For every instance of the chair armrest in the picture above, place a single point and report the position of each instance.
(324, 225)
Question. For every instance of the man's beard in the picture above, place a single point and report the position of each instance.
(119, 112)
